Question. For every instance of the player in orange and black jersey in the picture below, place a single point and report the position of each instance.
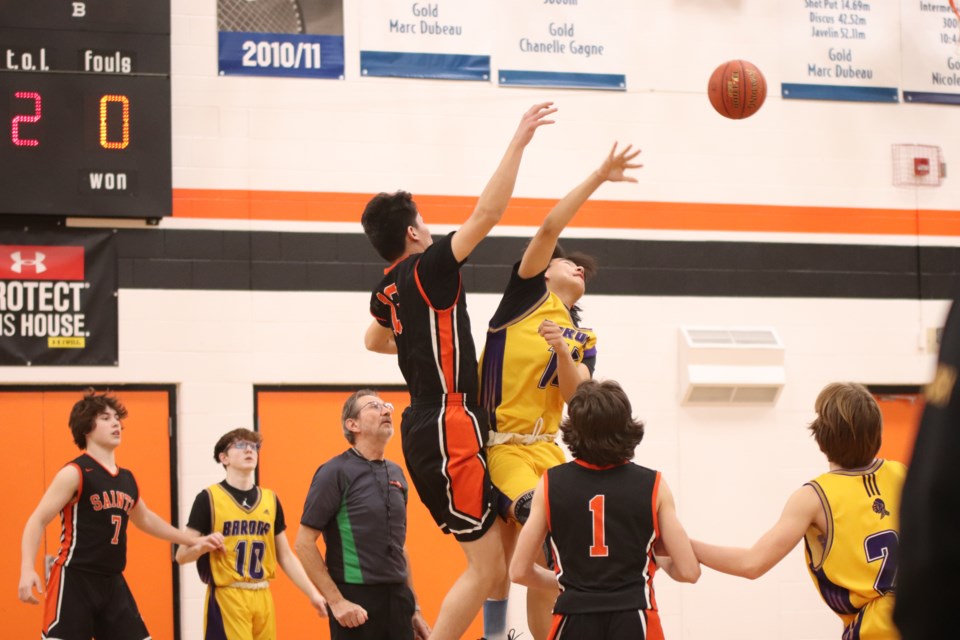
(419, 311)
(612, 523)
(87, 596)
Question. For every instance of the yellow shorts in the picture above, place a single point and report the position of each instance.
(515, 469)
(239, 614)
(874, 622)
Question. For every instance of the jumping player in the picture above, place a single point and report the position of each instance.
(608, 518)
(848, 519)
(524, 382)
(239, 605)
(420, 313)
(86, 593)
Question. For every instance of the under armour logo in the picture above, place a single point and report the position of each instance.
(19, 262)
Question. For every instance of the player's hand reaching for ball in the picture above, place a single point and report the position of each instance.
(614, 167)
(533, 119)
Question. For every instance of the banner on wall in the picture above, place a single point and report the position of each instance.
(841, 50)
(287, 38)
(930, 43)
(444, 39)
(58, 298)
(558, 43)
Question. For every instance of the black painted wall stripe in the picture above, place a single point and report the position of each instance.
(277, 261)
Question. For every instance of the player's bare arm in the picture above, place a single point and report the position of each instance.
(61, 491)
(569, 373)
(495, 197)
(380, 339)
(203, 544)
(152, 524)
(347, 613)
(292, 566)
(802, 510)
(523, 567)
(682, 565)
(536, 257)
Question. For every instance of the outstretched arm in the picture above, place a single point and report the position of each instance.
(495, 197)
(294, 569)
(536, 257)
(523, 567)
(61, 491)
(799, 513)
(682, 565)
(152, 524)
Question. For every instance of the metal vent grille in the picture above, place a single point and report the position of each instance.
(732, 337)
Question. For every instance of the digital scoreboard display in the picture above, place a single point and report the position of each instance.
(85, 108)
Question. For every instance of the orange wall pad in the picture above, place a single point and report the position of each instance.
(604, 214)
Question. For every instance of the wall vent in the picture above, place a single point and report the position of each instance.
(731, 366)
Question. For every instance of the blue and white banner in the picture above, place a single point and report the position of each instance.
(444, 39)
(841, 50)
(290, 38)
(579, 44)
(930, 44)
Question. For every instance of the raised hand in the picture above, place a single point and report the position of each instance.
(532, 120)
(614, 166)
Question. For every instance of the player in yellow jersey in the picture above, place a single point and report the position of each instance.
(238, 604)
(535, 356)
(848, 518)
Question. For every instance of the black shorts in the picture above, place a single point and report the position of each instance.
(389, 608)
(80, 605)
(642, 624)
(443, 446)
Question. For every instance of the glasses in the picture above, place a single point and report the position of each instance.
(243, 445)
(378, 405)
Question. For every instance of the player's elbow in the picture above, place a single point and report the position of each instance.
(521, 573)
(686, 571)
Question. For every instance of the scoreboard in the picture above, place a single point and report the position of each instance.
(85, 108)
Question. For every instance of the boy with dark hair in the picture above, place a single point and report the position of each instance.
(848, 519)
(420, 313)
(606, 517)
(87, 595)
(239, 605)
(525, 383)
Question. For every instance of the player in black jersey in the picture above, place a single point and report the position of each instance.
(609, 519)
(87, 596)
(420, 313)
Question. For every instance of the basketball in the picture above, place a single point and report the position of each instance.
(737, 89)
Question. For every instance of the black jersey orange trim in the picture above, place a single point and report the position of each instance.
(599, 467)
(651, 560)
(555, 626)
(546, 498)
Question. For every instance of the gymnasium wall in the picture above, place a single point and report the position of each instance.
(787, 220)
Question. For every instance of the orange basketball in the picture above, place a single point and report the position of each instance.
(737, 89)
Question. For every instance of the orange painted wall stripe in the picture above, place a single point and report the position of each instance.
(603, 214)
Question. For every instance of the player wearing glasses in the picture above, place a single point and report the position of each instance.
(239, 605)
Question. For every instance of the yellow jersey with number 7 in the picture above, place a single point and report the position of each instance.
(854, 562)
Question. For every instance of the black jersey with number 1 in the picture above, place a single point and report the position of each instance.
(603, 525)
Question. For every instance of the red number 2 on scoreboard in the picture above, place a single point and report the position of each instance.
(25, 119)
